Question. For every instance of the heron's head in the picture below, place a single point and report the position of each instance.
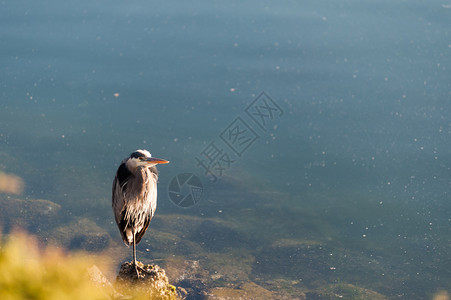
(143, 158)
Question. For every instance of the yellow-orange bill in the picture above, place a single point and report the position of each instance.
(157, 160)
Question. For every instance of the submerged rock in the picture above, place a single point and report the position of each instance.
(81, 234)
(232, 267)
(247, 290)
(34, 215)
(189, 276)
(345, 291)
(218, 237)
(152, 282)
(321, 270)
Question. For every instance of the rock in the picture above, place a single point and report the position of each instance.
(247, 290)
(285, 288)
(189, 277)
(81, 234)
(347, 291)
(34, 215)
(229, 267)
(103, 283)
(184, 293)
(152, 282)
(314, 266)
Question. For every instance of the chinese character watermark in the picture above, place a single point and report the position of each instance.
(238, 136)
(215, 159)
(263, 110)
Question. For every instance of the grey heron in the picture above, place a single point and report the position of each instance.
(135, 196)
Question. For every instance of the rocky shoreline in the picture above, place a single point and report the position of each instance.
(228, 249)
(151, 284)
(203, 258)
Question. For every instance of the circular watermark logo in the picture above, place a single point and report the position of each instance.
(185, 190)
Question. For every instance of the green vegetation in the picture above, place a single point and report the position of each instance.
(28, 272)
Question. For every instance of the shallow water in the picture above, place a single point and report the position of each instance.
(338, 173)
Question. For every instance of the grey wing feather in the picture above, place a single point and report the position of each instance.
(118, 202)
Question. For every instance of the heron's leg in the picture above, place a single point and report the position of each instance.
(135, 263)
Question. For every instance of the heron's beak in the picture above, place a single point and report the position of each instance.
(154, 160)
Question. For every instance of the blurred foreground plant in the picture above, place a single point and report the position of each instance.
(30, 272)
(27, 272)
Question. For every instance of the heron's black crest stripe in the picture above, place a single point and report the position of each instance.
(137, 154)
(123, 174)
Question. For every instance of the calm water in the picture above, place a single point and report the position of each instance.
(347, 181)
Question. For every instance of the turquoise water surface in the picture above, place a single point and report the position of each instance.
(316, 135)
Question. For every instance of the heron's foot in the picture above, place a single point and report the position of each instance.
(141, 270)
(136, 270)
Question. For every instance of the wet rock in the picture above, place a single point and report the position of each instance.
(285, 288)
(152, 282)
(82, 234)
(193, 289)
(34, 215)
(189, 276)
